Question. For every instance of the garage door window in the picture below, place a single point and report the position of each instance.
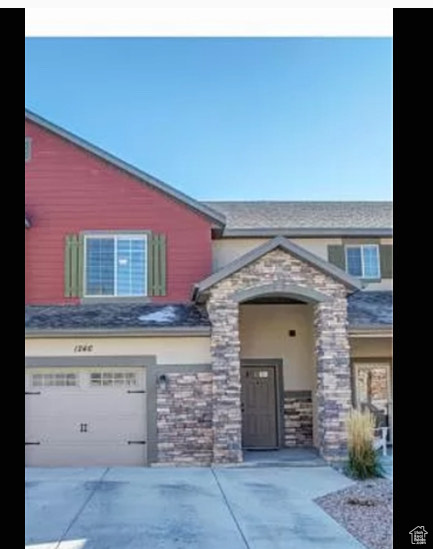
(54, 380)
(110, 379)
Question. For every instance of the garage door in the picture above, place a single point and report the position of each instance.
(85, 417)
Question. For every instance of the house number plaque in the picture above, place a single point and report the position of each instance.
(86, 348)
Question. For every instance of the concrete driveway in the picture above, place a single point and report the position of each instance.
(182, 508)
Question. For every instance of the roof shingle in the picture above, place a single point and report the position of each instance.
(112, 316)
(305, 215)
(370, 308)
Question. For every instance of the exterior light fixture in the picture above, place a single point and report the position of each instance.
(162, 382)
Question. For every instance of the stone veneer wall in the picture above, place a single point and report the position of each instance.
(184, 419)
(333, 390)
(298, 419)
(331, 349)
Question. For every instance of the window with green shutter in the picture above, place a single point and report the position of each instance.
(362, 261)
(115, 265)
(369, 261)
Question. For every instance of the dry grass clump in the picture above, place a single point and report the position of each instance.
(363, 459)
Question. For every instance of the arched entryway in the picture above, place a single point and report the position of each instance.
(277, 365)
(279, 271)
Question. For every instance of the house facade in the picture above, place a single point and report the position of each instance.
(161, 329)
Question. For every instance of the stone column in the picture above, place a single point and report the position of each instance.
(226, 392)
(333, 376)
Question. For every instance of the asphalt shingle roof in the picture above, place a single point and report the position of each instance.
(367, 308)
(364, 309)
(116, 315)
(302, 215)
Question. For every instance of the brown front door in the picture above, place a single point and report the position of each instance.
(259, 417)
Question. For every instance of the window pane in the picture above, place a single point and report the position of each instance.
(371, 261)
(100, 266)
(131, 255)
(123, 267)
(354, 264)
(54, 380)
(37, 380)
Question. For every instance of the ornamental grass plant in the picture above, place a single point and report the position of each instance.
(364, 461)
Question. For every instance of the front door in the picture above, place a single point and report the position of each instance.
(259, 411)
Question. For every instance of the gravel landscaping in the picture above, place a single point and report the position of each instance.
(365, 510)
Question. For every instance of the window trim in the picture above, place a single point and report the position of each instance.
(361, 247)
(125, 235)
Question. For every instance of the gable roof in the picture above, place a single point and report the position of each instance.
(273, 218)
(217, 218)
(286, 245)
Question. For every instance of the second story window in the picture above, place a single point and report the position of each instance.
(363, 261)
(115, 265)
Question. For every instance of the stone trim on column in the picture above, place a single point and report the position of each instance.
(226, 390)
(298, 419)
(333, 376)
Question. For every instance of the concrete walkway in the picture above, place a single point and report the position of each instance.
(285, 457)
(182, 508)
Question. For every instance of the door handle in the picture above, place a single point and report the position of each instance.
(242, 407)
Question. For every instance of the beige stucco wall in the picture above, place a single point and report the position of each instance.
(225, 250)
(264, 334)
(380, 347)
(168, 350)
(228, 249)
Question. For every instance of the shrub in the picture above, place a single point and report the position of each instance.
(364, 461)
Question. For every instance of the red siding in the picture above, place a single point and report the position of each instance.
(69, 190)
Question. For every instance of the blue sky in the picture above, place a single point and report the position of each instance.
(228, 118)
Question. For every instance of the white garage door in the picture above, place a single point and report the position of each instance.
(85, 416)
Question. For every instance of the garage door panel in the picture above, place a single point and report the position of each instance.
(87, 422)
(76, 403)
(85, 455)
(85, 431)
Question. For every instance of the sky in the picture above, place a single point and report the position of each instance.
(228, 118)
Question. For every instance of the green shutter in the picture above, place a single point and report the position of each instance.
(386, 260)
(73, 265)
(157, 265)
(336, 256)
(28, 148)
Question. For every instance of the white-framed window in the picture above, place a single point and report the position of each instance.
(55, 380)
(113, 379)
(363, 261)
(115, 265)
